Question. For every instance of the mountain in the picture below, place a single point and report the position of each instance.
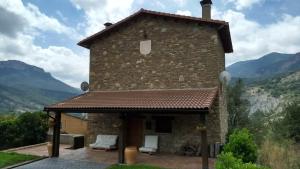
(271, 81)
(26, 87)
(267, 66)
(271, 94)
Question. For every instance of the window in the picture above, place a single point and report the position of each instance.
(148, 125)
(163, 124)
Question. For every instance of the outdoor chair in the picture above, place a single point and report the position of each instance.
(151, 145)
(106, 142)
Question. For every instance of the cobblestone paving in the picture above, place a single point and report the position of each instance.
(58, 163)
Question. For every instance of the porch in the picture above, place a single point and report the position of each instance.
(128, 104)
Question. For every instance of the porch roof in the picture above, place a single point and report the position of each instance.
(191, 99)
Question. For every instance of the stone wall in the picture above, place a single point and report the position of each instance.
(102, 123)
(223, 114)
(184, 131)
(183, 55)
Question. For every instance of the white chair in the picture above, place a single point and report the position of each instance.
(151, 145)
(106, 142)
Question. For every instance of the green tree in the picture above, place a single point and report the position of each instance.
(287, 125)
(33, 127)
(292, 120)
(8, 134)
(25, 129)
(259, 125)
(238, 108)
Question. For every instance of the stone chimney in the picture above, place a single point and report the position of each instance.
(206, 9)
(107, 24)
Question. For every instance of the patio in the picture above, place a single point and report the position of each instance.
(111, 157)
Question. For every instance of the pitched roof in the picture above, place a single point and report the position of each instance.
(193, 99)
(222, 26)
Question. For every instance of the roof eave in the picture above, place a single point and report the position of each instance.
(134, 110)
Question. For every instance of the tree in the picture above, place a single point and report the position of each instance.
(259, 125)
(237, 106)
(292, 120)
(25, 129)
(33, 127)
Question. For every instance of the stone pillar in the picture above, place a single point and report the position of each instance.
(204, 145)
(122, 137)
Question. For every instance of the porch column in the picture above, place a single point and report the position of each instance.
(56, 135)
(122, 137)
(204, 145)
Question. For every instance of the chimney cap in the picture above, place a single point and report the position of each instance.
(204, 2)
(107, 24)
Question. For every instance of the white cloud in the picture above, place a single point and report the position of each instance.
(62, 62)
(62, 17)
(98, 12)
(243, 4)
(180, 2)
(160, 4)
(185, 12)
(252, 40)
(38, 20)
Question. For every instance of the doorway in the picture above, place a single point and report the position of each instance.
(135, 131)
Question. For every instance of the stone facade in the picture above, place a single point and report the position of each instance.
(183, 56)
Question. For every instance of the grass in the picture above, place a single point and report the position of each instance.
(279, 155)
(10, 158)
(133, 167)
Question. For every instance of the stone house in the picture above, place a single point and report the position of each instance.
(156, 73)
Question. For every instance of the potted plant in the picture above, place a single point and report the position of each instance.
(49, 147)
(51, 122)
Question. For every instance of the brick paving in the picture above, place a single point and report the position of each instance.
(105, 158)
(41, 150)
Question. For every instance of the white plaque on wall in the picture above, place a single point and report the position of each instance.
(145, 47)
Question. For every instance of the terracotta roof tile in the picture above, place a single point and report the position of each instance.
(146, 99)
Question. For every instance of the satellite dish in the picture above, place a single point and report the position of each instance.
(84, 86)
(225, 77)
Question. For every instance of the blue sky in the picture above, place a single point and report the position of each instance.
(45, 33)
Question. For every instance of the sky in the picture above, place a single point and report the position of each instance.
(44, 33)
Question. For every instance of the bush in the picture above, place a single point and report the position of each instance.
(228, 161)
(242, 146)
(26, 129)
(8, 134)
(32, 127)
(279, 155)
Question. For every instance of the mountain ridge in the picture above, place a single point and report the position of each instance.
(270, 81)
(266, 66)
(25, 87)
